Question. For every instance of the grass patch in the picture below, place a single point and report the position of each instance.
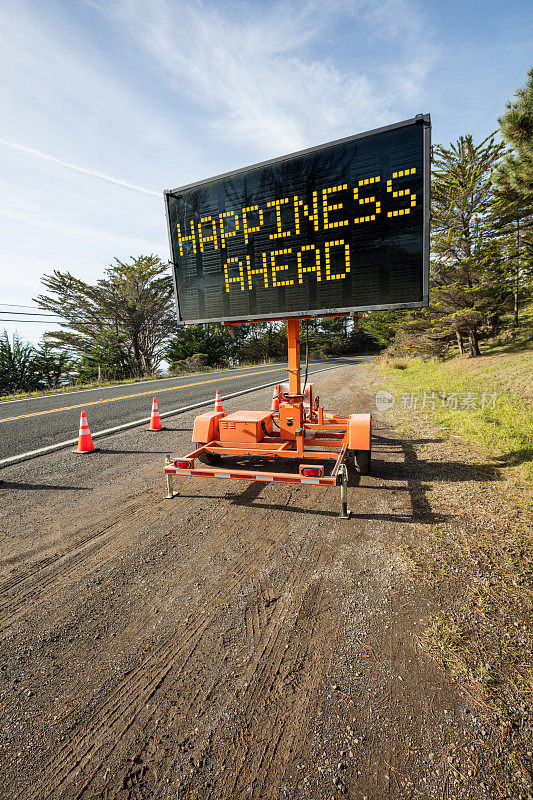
(412, 558)
(488, 400)
(484, 637)
(456, 647)
(479, 561)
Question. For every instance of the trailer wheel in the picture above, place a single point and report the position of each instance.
(350, 462)
(362, 459)
(211, 459)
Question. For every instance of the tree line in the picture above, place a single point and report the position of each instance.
(481, 240)
(124, 326)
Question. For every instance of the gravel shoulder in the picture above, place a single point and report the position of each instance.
(238, 641)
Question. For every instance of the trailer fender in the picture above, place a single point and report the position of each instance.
(206, 426)
(359, 431)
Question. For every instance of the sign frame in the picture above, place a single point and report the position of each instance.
(419, 119)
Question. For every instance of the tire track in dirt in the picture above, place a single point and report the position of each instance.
(187, 713)
(92, 546)
(88, 533)
(54, 574)
(282, 680)
(281, 677)
(125, 705)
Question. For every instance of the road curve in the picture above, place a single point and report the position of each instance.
(33, 423)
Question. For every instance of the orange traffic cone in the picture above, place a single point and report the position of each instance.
(218, 402)
(275, 399)
(85, 441)
(155, 419)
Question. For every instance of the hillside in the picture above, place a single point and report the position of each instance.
(467, 428)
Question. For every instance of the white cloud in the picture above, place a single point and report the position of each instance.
(264, 73)
(65, 95)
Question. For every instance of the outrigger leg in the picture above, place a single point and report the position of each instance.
(170, 488)
(345, 511)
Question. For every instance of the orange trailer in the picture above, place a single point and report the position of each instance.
(322, 444)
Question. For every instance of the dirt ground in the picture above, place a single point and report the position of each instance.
(237, 641)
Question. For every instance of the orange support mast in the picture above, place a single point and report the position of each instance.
(293, 336)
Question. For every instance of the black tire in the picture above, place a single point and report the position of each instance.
(211, 459)
(350, 462)
(363, 461)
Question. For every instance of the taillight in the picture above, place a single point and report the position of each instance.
(183, 464)
(312, 472)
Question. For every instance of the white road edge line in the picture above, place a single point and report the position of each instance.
(60, 445)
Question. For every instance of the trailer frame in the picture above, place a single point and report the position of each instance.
(327, 439)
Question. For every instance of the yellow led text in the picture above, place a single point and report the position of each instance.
(202, 237)
(238, 278)
(279, 267)
(338, 275)
(216, 230)
(311, 267)
(312, 217)
(259, 271)
(277, 205)
(364, 200)
(225, 234)
(314, 266)
(400, 212)
(190, 238)
(336, 206)
(246, 228)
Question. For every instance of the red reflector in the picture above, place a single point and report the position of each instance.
(311, 472)
(182, 464)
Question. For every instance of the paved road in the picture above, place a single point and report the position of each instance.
(36, 422)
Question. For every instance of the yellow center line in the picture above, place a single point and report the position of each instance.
(138, 394)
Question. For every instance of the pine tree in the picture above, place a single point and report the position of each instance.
(134, 300)
(382, 325)
(212, 342)
(17, 365)
(109, 358)
(514, 180)
(516, 127)
(467, 251)
(514, 219)
(53, 366)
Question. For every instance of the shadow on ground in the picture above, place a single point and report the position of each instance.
(43, 486)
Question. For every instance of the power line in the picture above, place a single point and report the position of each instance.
(27, 253)
(29, 313)
(62, 262)
(51, 261)
(17, 305)
(25, 321)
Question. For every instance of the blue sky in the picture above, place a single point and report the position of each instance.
(106, 103)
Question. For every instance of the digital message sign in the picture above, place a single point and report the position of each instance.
(340, 227)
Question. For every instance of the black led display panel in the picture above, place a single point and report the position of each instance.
(340, 227)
